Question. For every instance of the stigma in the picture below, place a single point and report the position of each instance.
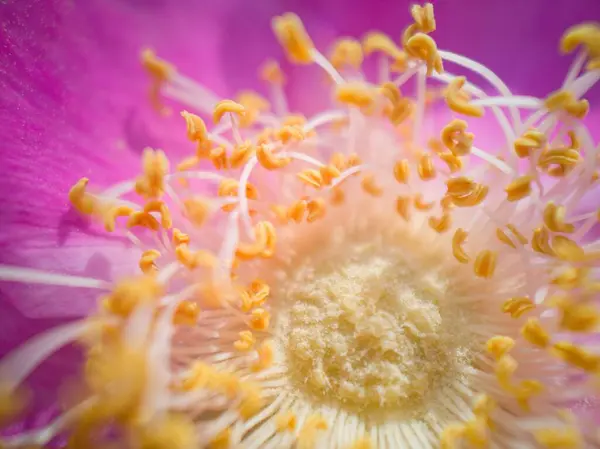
(368, 277)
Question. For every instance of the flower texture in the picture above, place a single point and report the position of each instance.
(369, 276)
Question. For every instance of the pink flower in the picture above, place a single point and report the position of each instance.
(395, 248)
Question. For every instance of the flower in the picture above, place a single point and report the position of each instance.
(368, 276)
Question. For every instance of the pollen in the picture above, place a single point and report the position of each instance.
(455, 98)
(292, 36)
(227, 107)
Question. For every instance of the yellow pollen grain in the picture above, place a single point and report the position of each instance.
(379, 42)
(563, 100)
(165, 215)
(423, 17)
(179, 237)
(129, 293)
(264, 244)
(297, 210)
(520, 237)
(422, 205)
(568, 438)
(196, 128)
(316, 209)
(196, 211)
(259, 319)
(329, 173)
(566, 249)
(227, 106)
(456, 139)
(504, 238)
(517, 306)
(186, 313)
(369, 185)
(540, 241)
(285, 422)
(271, 72)
(485, 264)
(535, 334)
(160, 73)
(266, 355)
(245, 342)
(294, 39)
(459, 238)
(241, 154)
(346, 52)
(519, 188)
(82, 201)
(155, 167)
(453, 162)
(554, 218)
(456, 100)
(422, 46)
(268, 160)
(143, 220)
(425, 167)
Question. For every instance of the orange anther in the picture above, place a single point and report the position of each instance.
(270, 161)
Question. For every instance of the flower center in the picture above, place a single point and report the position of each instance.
(370, 328)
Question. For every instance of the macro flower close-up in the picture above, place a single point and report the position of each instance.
(299, 224)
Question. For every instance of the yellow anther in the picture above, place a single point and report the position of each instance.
(82, 201)
(245, 342)
(186, 313)
(290, 133)
(144, 220)
(446, 203)
(193, 260)
(355, 94)
(311, 177)
(400, 108)
(577, 317)
(155, 166)
(12, 404)
(241, 154)
(401, 171)
(530, 140)
(535, 334)
(180, 238)
(567, 249)
(421, 204)
(338, 160)
(266, 355)
(229, 187)
(517, 306)
(554, 218)
(353, 160)
(566, 158)
(227, 106)
(130, 293)
(498, 346)
(441, 224)
(403, 206)
(285, 422)
(254, 104)
(453, 162)
(568, 438)
(297, 210)
(346, 52)
(456, 139)
(571, 278)
(564, 100)
(505, 369)
(160, 72)
(294, 39)
(519, 188)
(316, 209)
(451, 436)
(455, 98)
(329, 173)
(520, 237)
(271, 72)
(188, 163)
(147, 260)
(309, 433)
(476, 432)
(168, 432)
(423, 17)
(255, 295)
(196, 128)
(221, 440)
(390, 91)
(337, 196)
(362, 443)
(459, 238)
(525, 390)
(260, 319)
(369, 185)
(375, 41)
(576, 356)
(196, 210)
(425, 167)
(270, 161)
(264, 244)
(465, 192)
(422, 46)
(111, 214)
(485, 264)
(165, 215)
(505, 238)
(540, 241)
